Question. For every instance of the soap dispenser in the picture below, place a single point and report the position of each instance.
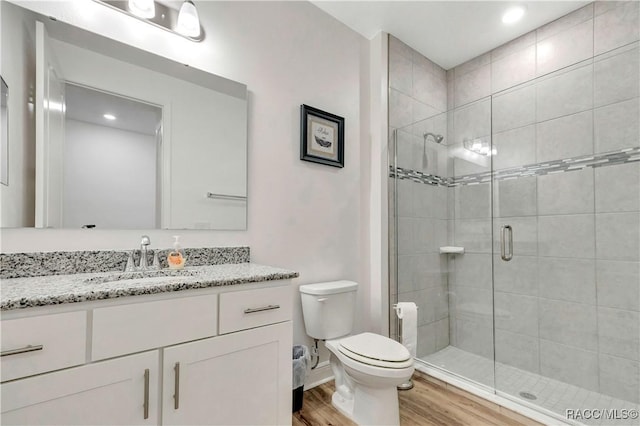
(176, 258)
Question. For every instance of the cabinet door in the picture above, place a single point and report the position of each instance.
(113, 392)
(241, 378)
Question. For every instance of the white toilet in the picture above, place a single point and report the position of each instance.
(367, 367)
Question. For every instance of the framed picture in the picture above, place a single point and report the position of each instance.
(321, 137)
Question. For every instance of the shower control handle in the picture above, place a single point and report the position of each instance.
(504, 254)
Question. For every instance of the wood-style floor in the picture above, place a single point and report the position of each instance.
(426, 404)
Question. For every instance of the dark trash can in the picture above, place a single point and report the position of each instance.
(300, 361)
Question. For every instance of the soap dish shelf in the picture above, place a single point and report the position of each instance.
(451, 250)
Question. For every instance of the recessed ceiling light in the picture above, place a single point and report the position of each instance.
(109, 116)
(513, 14)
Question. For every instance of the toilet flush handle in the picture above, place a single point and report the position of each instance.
(321, 299)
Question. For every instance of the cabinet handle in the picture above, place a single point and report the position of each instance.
(176, 387)
(26, 349)
(146, 393)
(263, 308)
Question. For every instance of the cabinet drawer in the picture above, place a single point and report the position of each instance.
(62, 338)
(136, 327)
(240, 310)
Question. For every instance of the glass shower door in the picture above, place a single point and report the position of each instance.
(470, 286)
(516, 270)
(566, 183)
(419, 217)
(441, 192)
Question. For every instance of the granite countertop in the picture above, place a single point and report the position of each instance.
(18, 293)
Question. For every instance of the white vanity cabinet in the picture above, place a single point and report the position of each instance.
(161, 359)
(122, 391)
(235, 379)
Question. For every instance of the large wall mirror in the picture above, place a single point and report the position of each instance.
(123, 139)
(4, 132)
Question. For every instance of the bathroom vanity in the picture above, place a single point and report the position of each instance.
(212, 346)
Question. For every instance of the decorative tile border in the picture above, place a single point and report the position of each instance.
(19, 265)
(418, 177)
(623, 156)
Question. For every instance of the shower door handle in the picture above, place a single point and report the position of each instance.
(504, 254)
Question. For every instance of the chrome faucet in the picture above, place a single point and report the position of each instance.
(144, 243)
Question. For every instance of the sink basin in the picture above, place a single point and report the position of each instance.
(168, 275)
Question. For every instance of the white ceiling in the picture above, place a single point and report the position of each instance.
(88, 105)
(447, 32)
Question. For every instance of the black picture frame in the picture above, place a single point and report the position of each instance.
(321, 137)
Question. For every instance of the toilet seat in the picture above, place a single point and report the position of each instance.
(375, 350)
(355, 367)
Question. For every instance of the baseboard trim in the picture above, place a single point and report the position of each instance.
(319, 375)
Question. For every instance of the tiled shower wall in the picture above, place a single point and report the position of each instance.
(418, 103)
(568, 304)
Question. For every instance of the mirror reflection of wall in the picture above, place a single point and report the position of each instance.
(201, 146)
(111, 167)
(17, 67)
(4, 133)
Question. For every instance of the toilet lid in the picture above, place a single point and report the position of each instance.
(375, 349)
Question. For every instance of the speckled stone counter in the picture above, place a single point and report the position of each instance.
(19, 265)
(18, 293)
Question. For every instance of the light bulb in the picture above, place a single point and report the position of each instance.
(143, 8)
(188, 21)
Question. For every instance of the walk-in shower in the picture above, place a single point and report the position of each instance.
(537, 177)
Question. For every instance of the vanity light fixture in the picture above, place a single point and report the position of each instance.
(513, 15)
(188, 21)
(143, 8)
(184, 23)
(109, 117)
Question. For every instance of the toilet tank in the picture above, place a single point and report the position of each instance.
(328, 308)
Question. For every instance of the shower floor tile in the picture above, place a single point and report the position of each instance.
(553, 395)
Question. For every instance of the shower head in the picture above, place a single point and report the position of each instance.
(437, 138)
